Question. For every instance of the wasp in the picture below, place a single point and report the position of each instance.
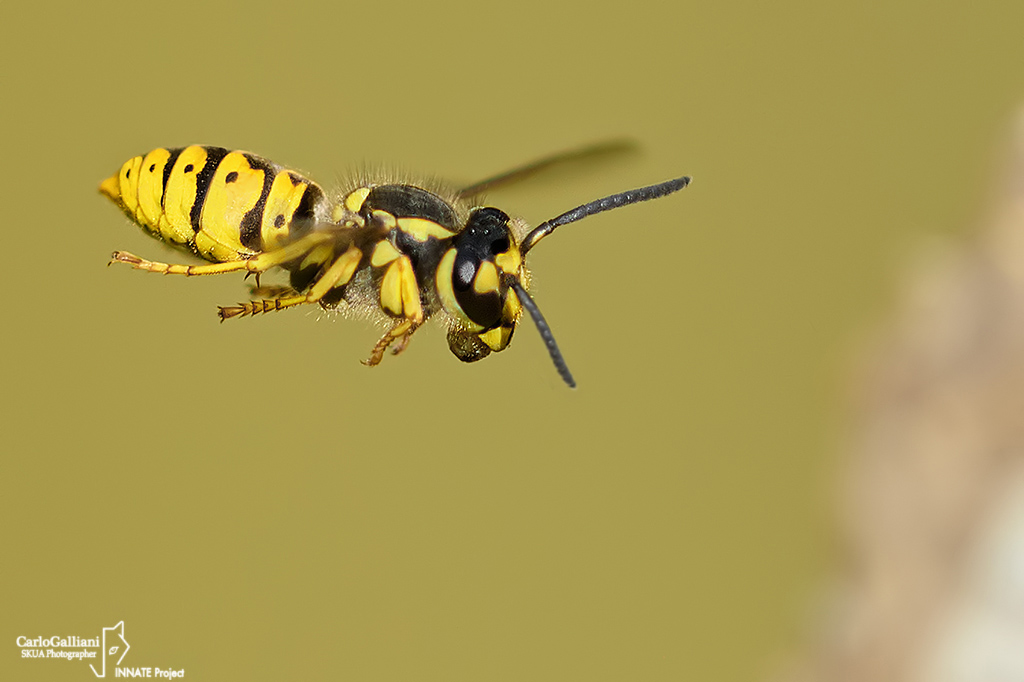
(399, 252)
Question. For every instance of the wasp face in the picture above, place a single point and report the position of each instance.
(473, 281)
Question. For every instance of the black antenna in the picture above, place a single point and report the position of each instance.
(633, 196)
(545, 331)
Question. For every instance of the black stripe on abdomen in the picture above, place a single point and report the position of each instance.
(214, 155)
(304, 217)
(249, 232)
(167, 172)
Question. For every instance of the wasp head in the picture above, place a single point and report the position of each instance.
(477, 281)
(480, 278)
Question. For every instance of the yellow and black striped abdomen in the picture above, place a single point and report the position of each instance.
(223, 205)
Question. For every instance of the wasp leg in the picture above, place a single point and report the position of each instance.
(257, 274)
(403, 341)
(272, 291)
(259, 263)
(400, 297)
(398, 335)
(338, 274)
(265, 305)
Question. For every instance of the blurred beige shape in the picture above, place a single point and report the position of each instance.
(933, 588)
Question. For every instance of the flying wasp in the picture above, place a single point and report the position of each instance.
(402, 253)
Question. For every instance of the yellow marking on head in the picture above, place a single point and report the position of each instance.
(421, 229)
(354, 200)
(282, 202)
(486, 280)
(128, 180)
(513, 307)
(383, 253)
(510, 261)
(180, 195)
(443, 282)
(497, 339)
(228, 202)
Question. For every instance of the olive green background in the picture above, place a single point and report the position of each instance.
(254, 504)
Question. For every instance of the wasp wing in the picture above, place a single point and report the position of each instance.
(590, 153)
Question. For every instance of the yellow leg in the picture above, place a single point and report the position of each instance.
(339, 273)
(256, 307)
(259, 263)
(400, 296)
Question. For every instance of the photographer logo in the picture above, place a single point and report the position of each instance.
(104, 653)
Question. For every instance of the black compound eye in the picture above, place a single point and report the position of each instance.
(484, 309)
(500, 246)
(484, 237)
(485, 234)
